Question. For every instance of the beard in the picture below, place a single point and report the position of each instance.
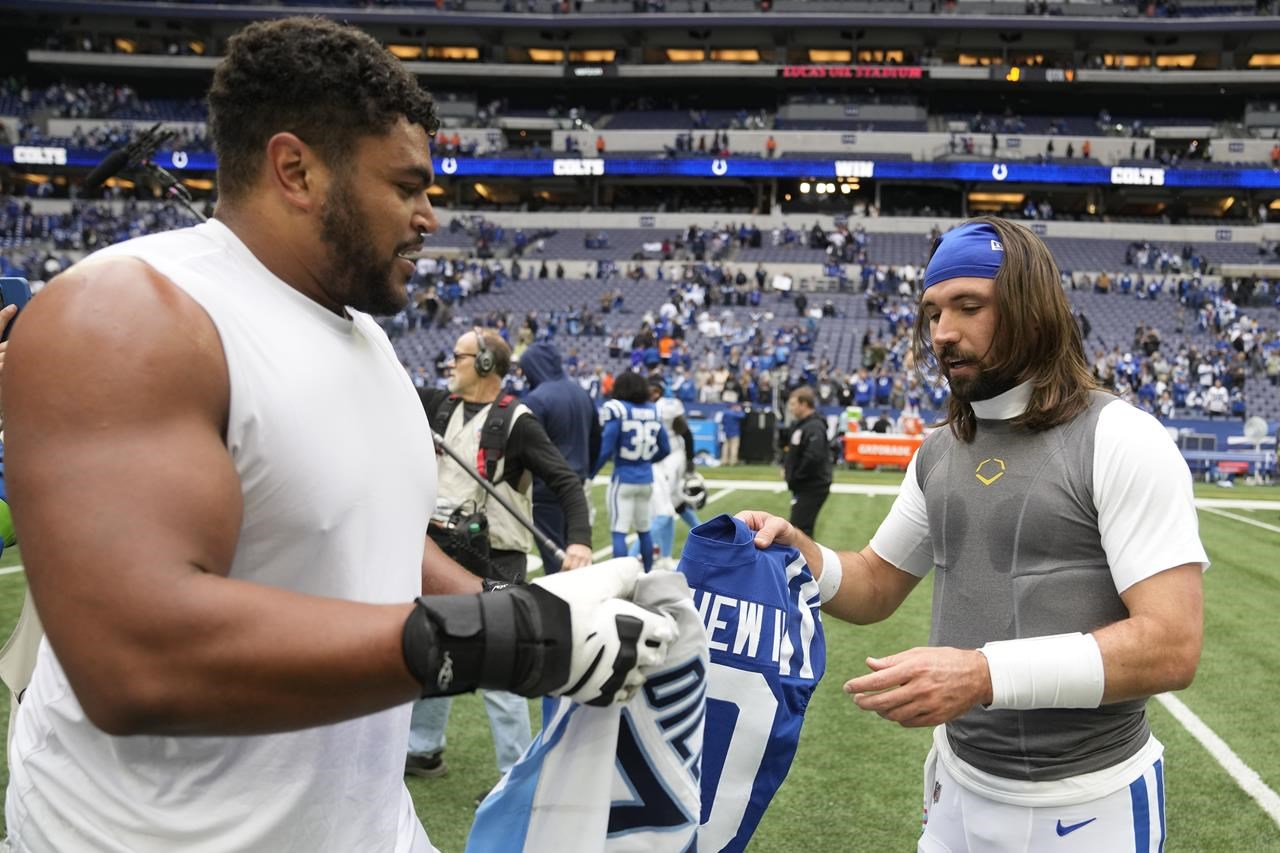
(982, 385)
(359, 277)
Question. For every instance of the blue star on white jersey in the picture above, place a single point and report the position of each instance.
(622, 779)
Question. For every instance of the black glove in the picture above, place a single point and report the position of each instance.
(571, 634)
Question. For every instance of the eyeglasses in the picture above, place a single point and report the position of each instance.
(461, 355)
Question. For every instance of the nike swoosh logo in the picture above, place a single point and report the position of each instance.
(1066, 830)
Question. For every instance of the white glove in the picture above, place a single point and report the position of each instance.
(613, 638)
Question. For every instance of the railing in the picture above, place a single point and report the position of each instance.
(1213, 464)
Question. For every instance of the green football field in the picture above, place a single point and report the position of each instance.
(855, 783)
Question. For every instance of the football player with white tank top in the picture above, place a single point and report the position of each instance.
(1059, 524)
(223, 478)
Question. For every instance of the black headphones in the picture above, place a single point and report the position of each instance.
(484, 361)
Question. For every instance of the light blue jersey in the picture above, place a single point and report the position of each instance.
(622, 779)
(633, 439)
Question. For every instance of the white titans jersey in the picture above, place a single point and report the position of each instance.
(622, 779)
(669, 408)
(672, 468)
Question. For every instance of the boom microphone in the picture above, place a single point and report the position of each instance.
(111, 165)
(543, 539)
(135, 153)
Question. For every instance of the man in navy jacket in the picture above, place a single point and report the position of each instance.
(569, 418)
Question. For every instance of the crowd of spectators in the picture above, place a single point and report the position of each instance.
(112, 100)
(684, 144)
(716, 337)
(1142, 8)
(38, 246)
(490, 239)
(1218, 341)
(1186, 380)
(725, 333)
(110, 137)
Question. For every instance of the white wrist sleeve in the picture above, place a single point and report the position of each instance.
(1059, 671)
(832, 574)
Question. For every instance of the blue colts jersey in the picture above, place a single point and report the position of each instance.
(768, 652)
(649, 775)
(634, 439)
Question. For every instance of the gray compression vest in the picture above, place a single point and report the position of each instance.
(1017, 553)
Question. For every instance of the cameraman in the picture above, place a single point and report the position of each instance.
(461, 416)
(472, 413)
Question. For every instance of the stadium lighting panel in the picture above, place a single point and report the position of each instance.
(831, 57)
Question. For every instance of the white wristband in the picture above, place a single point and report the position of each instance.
(832, 574)
(1058, 671)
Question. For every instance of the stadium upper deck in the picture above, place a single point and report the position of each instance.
(1078, 8)
(891, 107)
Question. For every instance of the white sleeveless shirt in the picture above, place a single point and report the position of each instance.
(338, 478)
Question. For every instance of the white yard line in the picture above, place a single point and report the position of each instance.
(718, 495)
(1237, 503)
(11, 570)
(1245, 776)
(607, 550)
(1244, 518)
(601, 553)
(892, 490)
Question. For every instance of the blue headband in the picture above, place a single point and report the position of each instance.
(973, 249)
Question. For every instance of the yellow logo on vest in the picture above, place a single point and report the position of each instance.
(989, 470)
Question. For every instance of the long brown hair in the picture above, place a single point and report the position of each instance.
(1036, 338)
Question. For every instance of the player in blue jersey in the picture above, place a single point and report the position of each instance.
(634, 439)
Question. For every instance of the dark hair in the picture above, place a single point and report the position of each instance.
(631, 387)
(1035, 340)
(804, 394)
(328, 83)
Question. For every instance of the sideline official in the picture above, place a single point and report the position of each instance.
(806, 464)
